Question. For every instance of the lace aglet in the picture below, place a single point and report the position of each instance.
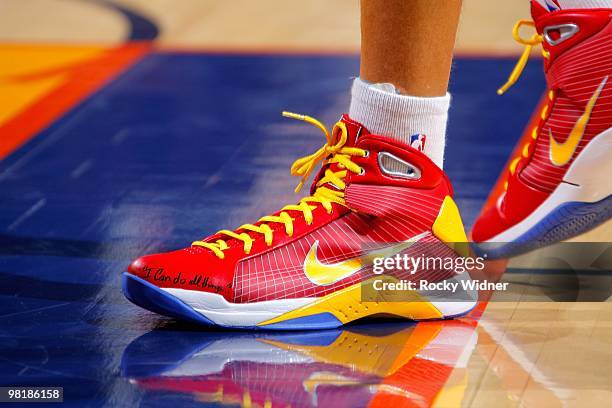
(307, 119)
(299, 187)
(516, 72)
(293, 115)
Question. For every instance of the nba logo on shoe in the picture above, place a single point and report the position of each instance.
(418, 142)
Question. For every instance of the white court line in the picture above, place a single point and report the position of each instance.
(30, 211)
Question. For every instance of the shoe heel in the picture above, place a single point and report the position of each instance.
(448, 227)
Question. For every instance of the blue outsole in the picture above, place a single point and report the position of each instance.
(566, 221)
(150, 297)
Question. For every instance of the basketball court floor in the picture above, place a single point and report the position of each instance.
(130, 127)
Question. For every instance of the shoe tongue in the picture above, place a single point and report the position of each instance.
(355, 131)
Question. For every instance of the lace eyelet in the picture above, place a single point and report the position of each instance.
(367, 153)
(362, 171)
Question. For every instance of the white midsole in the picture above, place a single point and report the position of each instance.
(217, 309)
(591, 182)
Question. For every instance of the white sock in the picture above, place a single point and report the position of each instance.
(383, 111)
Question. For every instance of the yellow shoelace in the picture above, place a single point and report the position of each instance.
(528, 43)
(514, 76)
(333, 151)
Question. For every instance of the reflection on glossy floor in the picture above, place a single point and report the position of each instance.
(501, 361)
(389, 364)
(108, 151)
(543, 354)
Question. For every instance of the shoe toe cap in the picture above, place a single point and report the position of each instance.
(137, 266)
(142, 266)
(183, 269)
(161, 269)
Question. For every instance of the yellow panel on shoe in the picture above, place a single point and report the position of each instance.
(448, 227)
(347, 304)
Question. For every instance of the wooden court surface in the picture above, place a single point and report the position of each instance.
(528, 353)
(318, 25)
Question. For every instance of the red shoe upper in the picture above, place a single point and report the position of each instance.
(577, 47)
(378, 208)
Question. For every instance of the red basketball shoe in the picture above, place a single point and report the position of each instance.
(305, 266)
(559, 185)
